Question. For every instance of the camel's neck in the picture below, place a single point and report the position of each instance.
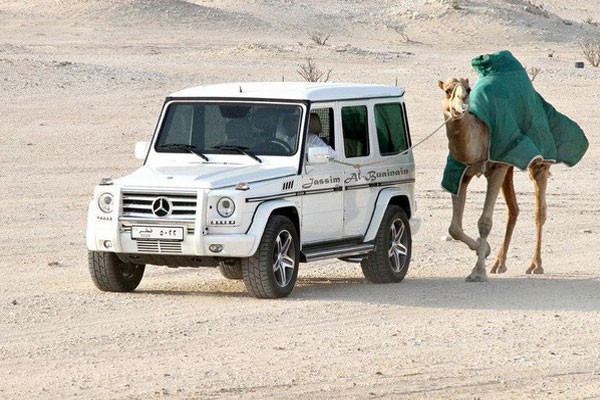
(468, 139)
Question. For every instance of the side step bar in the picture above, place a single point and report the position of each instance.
(343, 251)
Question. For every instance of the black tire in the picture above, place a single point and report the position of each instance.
(389, 260)
(111, 274)
(272, 271)
(231, 269)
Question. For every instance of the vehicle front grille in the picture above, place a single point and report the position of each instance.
(158, 246)
(179, 206)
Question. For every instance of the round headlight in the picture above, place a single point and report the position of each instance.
(225, 207)
(105, 202)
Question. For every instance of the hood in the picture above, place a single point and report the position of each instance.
(202, 176)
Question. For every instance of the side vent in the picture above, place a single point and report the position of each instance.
(288, 185)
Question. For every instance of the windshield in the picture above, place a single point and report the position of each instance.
(231, 128)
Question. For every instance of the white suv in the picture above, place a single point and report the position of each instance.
(230, 181)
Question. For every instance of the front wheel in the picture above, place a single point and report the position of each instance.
(113, 275)
(388, 262)
(272, 271)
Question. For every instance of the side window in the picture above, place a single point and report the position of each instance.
(391, 133)
(356, 131)
(321, 124)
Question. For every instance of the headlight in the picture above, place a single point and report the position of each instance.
(225, 207)
(105, 202)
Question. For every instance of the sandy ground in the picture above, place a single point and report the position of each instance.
(82, 81)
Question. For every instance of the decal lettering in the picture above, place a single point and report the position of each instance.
(373, 176)
(321, 181)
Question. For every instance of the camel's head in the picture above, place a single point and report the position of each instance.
(456, 96)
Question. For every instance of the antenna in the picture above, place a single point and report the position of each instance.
(240, 88)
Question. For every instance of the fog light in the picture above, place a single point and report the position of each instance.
(107, 244)
(216, 248)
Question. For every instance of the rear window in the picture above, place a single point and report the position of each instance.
(391, 133)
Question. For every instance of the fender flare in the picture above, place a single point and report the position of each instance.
(261, 217)
(384, 198)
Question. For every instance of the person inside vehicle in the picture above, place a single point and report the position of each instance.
(288, 131)
(313, 139)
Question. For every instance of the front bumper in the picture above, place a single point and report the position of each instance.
(193, 244)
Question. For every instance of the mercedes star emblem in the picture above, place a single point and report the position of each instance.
(161, 207)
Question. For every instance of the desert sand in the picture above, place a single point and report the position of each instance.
(83, 81)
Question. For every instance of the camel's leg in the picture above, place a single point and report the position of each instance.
(495, 178)
(510, 197)
(539, 174)
(456, 230)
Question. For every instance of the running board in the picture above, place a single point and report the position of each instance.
(343, 251)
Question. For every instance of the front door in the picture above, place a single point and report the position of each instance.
(322, 184)
(322, 203)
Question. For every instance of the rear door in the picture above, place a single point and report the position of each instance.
(376, 162)
(356, 155)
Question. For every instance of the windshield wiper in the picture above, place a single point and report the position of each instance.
(188, 147)
(239, 149)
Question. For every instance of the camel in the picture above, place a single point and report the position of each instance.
(468, 143)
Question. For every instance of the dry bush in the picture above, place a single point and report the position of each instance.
(319, 39)
(453, 3)
(591, 52)
(311, 73)
(400, 30)
(533, 72)
(536, 9)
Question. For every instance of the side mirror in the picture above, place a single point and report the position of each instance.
(318, 155)
(141, 150)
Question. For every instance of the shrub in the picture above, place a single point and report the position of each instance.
(591, 52)
(319, 39)
(533, 72)
(311, 73)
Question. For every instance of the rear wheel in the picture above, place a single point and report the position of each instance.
(389, 260)
(113, 275)
(231, 269)
(272, 271)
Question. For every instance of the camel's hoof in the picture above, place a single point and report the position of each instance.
(498, 269)
(535, 270)
(476, 278)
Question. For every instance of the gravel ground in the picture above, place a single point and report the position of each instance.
(83, 81)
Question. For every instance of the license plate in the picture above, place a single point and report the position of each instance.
(157, 232)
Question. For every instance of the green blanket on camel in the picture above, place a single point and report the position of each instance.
(523, 126)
